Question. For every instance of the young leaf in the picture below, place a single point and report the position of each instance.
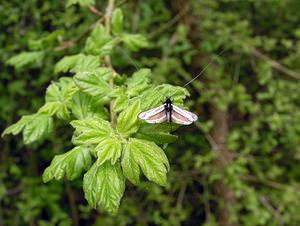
(37, 128)
(51, 108)
(117, 21)
(77, 63)
(135, 42)
(91, 131)
(104, 186)
(150, 158)
(120, 103)
(130, 165)
(18, 126)
(93, 82)
(100, 43)
(83, 106)
(109, 149)
(138, 82)
(71, 164)
(25, 58)
(58, 98)
(127, 120)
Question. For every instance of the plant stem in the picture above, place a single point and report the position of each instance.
(107, 58)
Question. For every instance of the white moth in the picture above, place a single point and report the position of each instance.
(168, 112)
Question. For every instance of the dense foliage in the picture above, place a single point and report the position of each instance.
(99, 64)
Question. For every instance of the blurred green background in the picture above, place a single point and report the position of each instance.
(238, 165)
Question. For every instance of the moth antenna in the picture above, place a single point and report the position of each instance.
(201, 72)
(137, 67)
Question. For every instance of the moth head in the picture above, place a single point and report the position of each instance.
(168, 101)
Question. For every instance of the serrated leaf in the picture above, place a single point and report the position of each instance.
(93, 82)
(80, 2)
(156, 133)
(25, 58)
(50, 108)
(117, 21)
(18, 126)
(157, 95)
(120, 103)
(104, 186)
(71, 164)
(130, 166)
(77, 63)
(37, 128)
(84, 106)
(149, 157)
(109, 149)
(127, 123)
(139, 77)
(91, 131)
(58, 98)
(99, 43)
(138, 82)
(135, 42)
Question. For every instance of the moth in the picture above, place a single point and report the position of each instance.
(168, 112)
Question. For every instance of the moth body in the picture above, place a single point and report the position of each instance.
(168, 112)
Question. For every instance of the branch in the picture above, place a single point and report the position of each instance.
(72, 203)
(170, 23)
(69, 43)
(95, 11)
(107, 59)
(275, 64)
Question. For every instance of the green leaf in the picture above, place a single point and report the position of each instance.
(130, 165)
(99, 43)
(109, 149)
(157, 95)
(156, 133)
(104, 186)
(58, 98)
(120, 103)
(93, 82)
(138, 82)
(127, 123)
(37, 128)
(25, 58)
(83, 106)
(77, 63)
(117, 21)
(80, 2)
(71, 164)
(18, 126)
(91, 131)
(150, 158)
(51, 108)
(135, 42)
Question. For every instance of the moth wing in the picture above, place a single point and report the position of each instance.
(154, 115)
(183, 117)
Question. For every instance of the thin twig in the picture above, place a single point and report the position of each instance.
(69, 43)
(170, 23)
(181, 195)
(273, 184)
(275, 64)
(265, 202)
(94, 10)
(72, 203)
(107, 58)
